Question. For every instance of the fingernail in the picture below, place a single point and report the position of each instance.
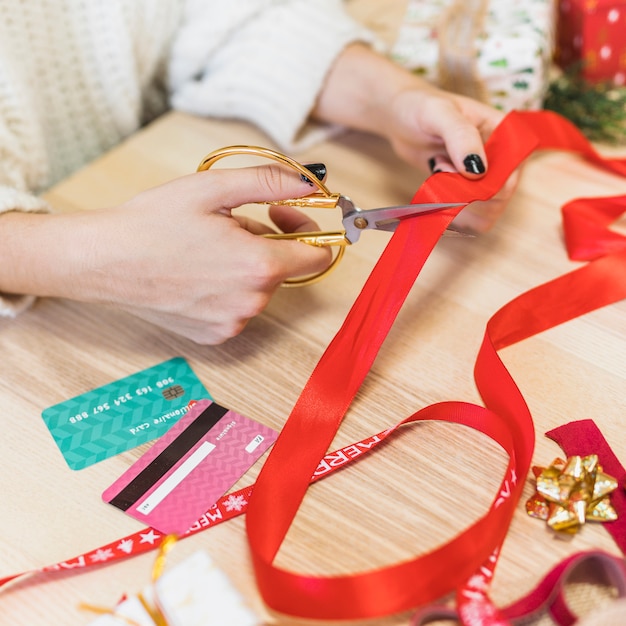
(431, 164)
(437, 171)
(474, 164)
(318, 169)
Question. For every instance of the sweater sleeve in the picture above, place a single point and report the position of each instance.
(263, 61)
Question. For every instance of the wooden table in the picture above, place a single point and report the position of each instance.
(60, 349)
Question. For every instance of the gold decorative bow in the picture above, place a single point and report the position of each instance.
(570, 493)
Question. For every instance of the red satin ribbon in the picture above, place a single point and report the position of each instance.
(466, 563)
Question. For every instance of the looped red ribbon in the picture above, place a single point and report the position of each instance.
(585, 224)
(467, 562)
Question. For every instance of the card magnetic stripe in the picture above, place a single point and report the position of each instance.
(168, 458)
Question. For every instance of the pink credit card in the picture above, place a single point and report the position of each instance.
(190, 467)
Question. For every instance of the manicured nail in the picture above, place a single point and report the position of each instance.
(474, 164)
(318, 169)
(431, 164)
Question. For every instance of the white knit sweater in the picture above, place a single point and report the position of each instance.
(77, 76)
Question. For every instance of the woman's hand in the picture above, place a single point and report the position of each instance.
(173, 255)
(426, 126)
(447, 132)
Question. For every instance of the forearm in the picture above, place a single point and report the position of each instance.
(36, 255)
(360, 88)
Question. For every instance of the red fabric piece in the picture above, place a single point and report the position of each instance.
(318, 413)
(582, 438)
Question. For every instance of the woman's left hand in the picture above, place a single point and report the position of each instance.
(427, 127)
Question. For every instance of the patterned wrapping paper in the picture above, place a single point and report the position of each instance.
(498, 51)
(593, 32)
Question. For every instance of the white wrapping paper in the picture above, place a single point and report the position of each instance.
(194, 593)
(498, 51)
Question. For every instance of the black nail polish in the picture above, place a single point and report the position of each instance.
(318, 169)
(474, 164)
(431, 164)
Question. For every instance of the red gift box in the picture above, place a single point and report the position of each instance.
(593, 32)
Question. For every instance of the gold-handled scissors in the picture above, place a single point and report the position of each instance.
(354, 219)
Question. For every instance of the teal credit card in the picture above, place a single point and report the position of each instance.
(119, 416)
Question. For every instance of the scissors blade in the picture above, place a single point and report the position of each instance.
(356, 220)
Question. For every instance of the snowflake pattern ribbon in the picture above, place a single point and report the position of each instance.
(570, 493)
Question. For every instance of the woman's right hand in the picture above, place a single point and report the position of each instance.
(173, 255)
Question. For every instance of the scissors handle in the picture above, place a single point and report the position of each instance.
(313, 201)
(322, 199)
(318, 239)
(212, 158)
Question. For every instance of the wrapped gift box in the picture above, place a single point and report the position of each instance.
(593, 33)
(497, 51)
(194, 593)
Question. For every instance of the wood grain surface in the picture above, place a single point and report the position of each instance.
(421, 489)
